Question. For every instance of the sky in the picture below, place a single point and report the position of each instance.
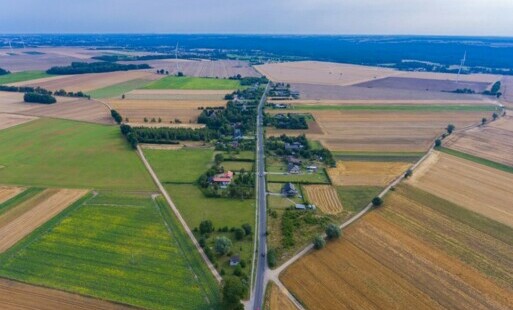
(422, 17)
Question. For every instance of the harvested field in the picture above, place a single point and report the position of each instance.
(24, 62)
(168, 110)
(425, 84)
(368, 173)
(204, 68)
(20, 221)
(507, 91)
(16, 295)
(8, 192)
(88, 82)
(493, 142)
(389, 131)
(325, 197)
(277, 300)
(476, 187)
(407, 255)
(304, 104)
(479, 78)
(176, 94)
(78, 110)
(9, 120)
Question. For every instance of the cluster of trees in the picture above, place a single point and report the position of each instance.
(95, 67)
(292, 219)
(247, 81)
(162, 71)
(164, 135)
(39, 98)
(127, 131)
(277, 145)
(332, 232)
(494, 91)
(464, 91)
(4, 72)
(288, 121)
(116, 116)
(39, 90)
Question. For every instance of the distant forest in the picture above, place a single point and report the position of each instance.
(95, 67)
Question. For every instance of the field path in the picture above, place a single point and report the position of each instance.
(178, 215)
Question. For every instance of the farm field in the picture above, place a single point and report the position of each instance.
(22, 76)
(11, 102)
(10, 120)
(507, 91)
(276, 299)
(136, 242)
(366, 173)
(46, 58)
(119, 89)
(324, 197)
(77, 110)
(187, 111)
(176, 94)
(400, 108)
(315, 177)
(378, 156)
(185, 165)
(355, 198)
(237, 165)
(8, 192)
(425, 84)
(417, 252)
(186, 82)
(62, 153)
(479, 188)
(21, 220)
(16, 295)
(304, 103)
(493, 142)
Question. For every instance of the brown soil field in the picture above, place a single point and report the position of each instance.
(335, 92)
(476, 187)
(203, 68)
(176, 94)
(484, 78)
(8, 192)
(277, 300)
(20, 221)
(406, 256)
(507, 91)
(392, 131)
(10, 120)
(348, 102)
(367, 173)
(168, 110)
(87, 82)
(493, 142)
(324, 197)
(418, 84)
(20, 296)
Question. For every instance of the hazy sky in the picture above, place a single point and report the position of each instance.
(445, 17)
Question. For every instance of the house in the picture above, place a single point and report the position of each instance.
(234, 260)
(289, 190)
(293, 169)
(295, 146)
(237, 134)
(223, 179)
(311, 169)
(293, 160)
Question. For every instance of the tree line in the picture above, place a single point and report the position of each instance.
(39, 90)
(4, 72)
(95, 67)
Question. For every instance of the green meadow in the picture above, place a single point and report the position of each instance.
(188, 82)
(117, 90)
(22, 76)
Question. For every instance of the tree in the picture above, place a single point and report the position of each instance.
(408, 173)
(450, 128)
(218, 158)
(239, 234)
(271, 258)
(233, 291)
(495, 115)
(116, 116)
(223, 245)
(247, 229)
(319, 242)
(483, 121)
(377, 201)
(206, 227)
(123, 96)
(333, 231)
(438, 142)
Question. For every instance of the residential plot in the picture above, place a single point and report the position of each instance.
(8, 192)
(493, 142)
(21, 220)
(366, 173)
(416, 252)
(10, 120)
(473, 186)
(324, 197)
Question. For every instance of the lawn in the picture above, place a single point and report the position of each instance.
(117, 90)
(62, 153)
(22, 76)
(132, 254)
(395, 108)
(355, 198)
(477, 159)
(244, 155)
(237, 165)
(318, 177)
(187, 82)
(185, 165)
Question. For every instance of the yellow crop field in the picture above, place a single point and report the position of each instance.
(368, 173)
(324, 197)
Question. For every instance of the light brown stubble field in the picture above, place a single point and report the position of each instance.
(366, 173)
(324, 197)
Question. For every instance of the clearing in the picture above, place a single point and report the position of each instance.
(368, 173)
(187, 82)
(473, 186)
(324, 197)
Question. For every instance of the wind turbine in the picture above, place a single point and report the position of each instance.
(461, 66)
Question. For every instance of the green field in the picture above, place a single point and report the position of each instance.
(237, 165)
(61, 153)
(22, 76)
(117, 90)
(399, 108)
(355, 198)
(132, 254)
(244, 155)
(180, 166)
(187, 82)
(478, 160)
(318, 177)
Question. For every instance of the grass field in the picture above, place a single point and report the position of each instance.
(355, 198)
(61, 153)
(237, 165)
(404, 108)
(175, 82)
(478, 160)
(130, 254)
(117, 90)
(22, 76)
(180, 166)
(318, 177)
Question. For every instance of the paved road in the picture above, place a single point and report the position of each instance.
(261, 265)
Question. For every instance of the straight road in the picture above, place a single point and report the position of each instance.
(261, 263)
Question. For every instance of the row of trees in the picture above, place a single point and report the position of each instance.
(95, 67)
(247, 81)
(165, 135)
(288, 121)
(39, 90)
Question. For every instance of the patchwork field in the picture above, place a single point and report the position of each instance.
(426, 84)
(48, 57)
(493, 142)
(10, 120)
(11, 102)
(368, 173)
(117, 90)
(20, 221)
(416, 252)
(131, 250)
(187, 111)
(324, 197)
(176, 94)
(8, 192)
(193, 83)
(61, 153)
(476, 187)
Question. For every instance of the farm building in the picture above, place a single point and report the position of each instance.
(289, 190)
(223, 179)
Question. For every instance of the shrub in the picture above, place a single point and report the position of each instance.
(271, 258)
(377, 201)
(202, 242)
(223, 245)
(333, 231)
(319, 242)
(206, 227)
(247, 229)
(438, 143)
(239, 234)
(450, 128)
